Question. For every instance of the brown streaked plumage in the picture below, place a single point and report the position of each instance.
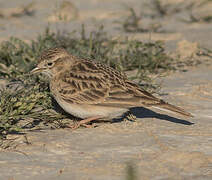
(91, 90)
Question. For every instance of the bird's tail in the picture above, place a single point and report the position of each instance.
(166, 106)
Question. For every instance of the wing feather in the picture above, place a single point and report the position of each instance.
(83, 83)
(88, 82)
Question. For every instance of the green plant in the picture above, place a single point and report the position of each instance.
(33, 101)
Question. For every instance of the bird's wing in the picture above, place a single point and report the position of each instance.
(132, 95)
(83, 83)
(88, 82)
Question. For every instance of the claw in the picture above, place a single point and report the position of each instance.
(84, 123)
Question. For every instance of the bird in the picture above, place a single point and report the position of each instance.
(91, 90)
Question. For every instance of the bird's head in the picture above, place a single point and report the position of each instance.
(51, 61)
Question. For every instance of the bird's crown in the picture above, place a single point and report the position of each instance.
(53, 54)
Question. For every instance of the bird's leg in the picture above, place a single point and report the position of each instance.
(84, 122)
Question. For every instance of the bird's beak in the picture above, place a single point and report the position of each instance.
(35, 70)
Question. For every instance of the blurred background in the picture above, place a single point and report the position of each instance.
(168, 20)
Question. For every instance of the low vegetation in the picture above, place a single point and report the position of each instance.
(25, 99)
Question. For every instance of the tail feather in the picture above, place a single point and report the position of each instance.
(166, 106)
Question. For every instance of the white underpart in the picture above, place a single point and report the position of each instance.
(87, 111)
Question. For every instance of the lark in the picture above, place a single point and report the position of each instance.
(93, 91)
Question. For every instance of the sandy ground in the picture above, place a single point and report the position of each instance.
(158, 146)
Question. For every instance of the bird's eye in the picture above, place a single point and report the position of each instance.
(49, 64)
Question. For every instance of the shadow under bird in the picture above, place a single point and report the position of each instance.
(94, 91)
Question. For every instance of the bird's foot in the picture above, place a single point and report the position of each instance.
(84, 123)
